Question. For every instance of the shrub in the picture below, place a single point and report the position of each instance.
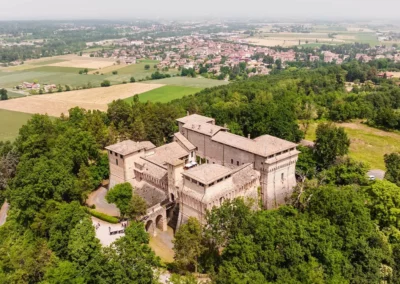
(105, 83)
(102, 216)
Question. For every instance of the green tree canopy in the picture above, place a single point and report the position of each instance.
(331, 142)
(121, 195)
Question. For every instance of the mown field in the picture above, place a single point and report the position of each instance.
(367, 144)
(57, 69)
(319, 35)
(11, 122)
(51, 71)
(189, 82)
(166, 94)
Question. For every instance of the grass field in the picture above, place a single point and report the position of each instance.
(57, 69)
(166, 94)
(138, 69)
(11, 79)
(11, 123)
(367, 144)
(189, 82)
(13, 95)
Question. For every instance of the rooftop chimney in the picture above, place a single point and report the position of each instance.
(187, 113)
(248, 136)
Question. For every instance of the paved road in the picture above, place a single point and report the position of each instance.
(98, 198)
(3, 213)
(103, 231)
(379, 174)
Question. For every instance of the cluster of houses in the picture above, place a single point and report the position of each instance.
(216, 52)
(36, 87)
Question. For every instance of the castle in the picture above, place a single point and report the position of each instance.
(203, 166)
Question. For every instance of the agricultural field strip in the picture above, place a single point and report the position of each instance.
(58, 103)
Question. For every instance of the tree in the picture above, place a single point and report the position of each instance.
(132, 80)
(130, 258)
(137, 207)
(64, 272)
(114, 72)
(278, 63)
(85, 181)
(147, 67)
(83, 246)
(138, 130)
(121, 195)
(3, 94)
(331, 142)
(345, 171)
(105, 83)
(188, 245)
(392, 162)
(384, 203)
(61, 224)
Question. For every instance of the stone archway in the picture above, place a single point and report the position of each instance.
(150, 227)
(160, 222)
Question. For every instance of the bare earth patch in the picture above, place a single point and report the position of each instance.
(58, 103)
(90, 64)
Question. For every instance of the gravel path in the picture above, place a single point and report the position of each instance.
(98, 199)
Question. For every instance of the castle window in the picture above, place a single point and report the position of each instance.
(110, 152)
(191, 154)
(237, 163)
(116, 155)
(121, 156)
(282, 176)
(116, 161)
(231, 161)
(201, 184)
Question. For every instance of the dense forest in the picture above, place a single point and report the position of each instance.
(337, 228)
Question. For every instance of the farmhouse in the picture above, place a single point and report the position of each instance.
(203, 166)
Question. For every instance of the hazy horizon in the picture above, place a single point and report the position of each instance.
(179, 9)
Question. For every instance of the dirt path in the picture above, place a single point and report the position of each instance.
(3, 213)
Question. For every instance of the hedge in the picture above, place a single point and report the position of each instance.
(102, 216)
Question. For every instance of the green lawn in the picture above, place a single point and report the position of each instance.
(148, 61)
(189, 82)
(166, 94)
(73, 70)
(11, 123)
(369, 38)
(11, 79)
(138, 69)
(368, 144)
(12, 94)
